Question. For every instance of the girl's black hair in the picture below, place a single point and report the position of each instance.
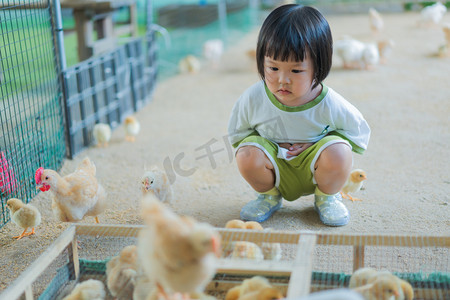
(291, 32)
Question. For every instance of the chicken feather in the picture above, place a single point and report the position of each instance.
(76, 195)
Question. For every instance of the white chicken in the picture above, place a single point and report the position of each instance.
(356, 54)
(155, 181)
(189, 64)
(375, 20)
(177, 253)
(213, 51)
(431, 15)
(102, 134)
(132, 128)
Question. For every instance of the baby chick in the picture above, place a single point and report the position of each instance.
(270, 251)
(132, 128)
(255, 288)
(381, 289)
(246, 250)
(121, 273)
(213, 51)
(375, 20)
(155, 181)
(431, 15)
(365, 276)
(353, 184)
(102, 134)
(88, 290)
(24, 215)
(189, 64)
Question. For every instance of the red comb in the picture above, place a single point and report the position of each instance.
(37, 176)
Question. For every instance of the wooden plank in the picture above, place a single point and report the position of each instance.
(300, 282)
(108, 230)
(383, 240)
(358, 257)
(18, 287)
(247, 266)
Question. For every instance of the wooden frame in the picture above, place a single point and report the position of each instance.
(299, 271)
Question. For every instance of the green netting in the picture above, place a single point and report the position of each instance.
(32, 132)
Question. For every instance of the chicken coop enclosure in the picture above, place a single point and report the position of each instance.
(298, 263)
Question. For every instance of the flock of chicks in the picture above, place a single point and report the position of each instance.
(356, 54)
(102, 132)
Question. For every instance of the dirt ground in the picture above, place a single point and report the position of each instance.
(406, 102)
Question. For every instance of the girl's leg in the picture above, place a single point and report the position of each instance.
(258, 171)
(256, 168)
(331, 172)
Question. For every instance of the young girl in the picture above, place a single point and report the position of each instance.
(293, 135)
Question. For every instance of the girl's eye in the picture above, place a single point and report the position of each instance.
(273, 68)
(296, 71)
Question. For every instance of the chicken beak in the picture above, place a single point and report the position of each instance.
(38, 186)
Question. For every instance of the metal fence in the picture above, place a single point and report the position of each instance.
(32, 125)
(47, 112)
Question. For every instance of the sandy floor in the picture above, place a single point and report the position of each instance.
(406, 102)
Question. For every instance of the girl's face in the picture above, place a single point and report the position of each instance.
(291, 81)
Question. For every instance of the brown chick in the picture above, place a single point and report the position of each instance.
(24, 215)
(382, 288)
(121, 273)
(353, 184)
(88, 290)
(178, 254)
(132, 128)
(76, 195)
(155, 181)
(405, 289)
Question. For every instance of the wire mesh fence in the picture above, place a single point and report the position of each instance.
(299, 263)
(32, 126)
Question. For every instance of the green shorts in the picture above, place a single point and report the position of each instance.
(294, 177)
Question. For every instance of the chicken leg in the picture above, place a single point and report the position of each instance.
(24, 233)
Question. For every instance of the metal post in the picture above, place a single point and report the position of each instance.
(222, 12)
(59, 35)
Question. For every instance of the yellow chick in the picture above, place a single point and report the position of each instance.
(132, 128)
(270, 251)
(121, 273)
(365, 276)
(353, 184)
(361, 277)
(155, 181)
(24, 215)
(246, 250)
(382, 288)
(102, 134)
(189, 64)
(255, 288)
(88, 290)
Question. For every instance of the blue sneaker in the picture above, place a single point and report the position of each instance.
(331, 210)
(262, 208)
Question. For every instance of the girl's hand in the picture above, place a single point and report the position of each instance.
(295, 149)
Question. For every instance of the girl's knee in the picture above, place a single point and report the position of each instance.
(336, 157)
(249, 158)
